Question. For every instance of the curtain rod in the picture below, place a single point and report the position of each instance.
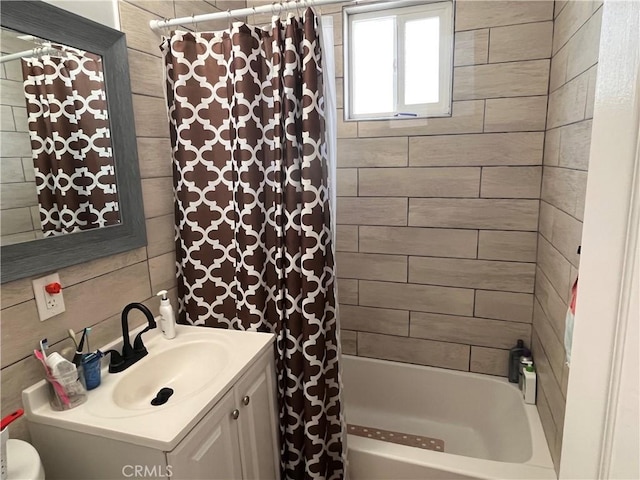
(157, 25)
(27, 53)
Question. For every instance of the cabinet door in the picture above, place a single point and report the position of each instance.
(210, 450)
(256, 397)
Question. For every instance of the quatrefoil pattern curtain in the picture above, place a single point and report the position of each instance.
(70, 141)
(253, 235)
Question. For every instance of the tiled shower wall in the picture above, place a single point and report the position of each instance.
(95, 292)
(437, 218)
(566, 159)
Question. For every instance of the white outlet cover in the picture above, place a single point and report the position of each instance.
(42, 297)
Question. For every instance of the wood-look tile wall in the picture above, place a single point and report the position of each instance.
(566, 159)
(96, 292)
(437, 218)
(19, 200)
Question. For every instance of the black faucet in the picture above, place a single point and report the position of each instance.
(130, 355)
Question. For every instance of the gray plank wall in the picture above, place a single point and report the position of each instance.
(20, 215)
(437, 218)
(566, 159)
(96, 292)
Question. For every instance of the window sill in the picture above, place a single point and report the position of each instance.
(399, 118)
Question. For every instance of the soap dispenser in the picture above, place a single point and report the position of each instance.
(168, 319)
(514, 360)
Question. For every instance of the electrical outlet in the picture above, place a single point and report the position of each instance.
(52, 300)
(49, 304)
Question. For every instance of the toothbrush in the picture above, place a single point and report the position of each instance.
(72, 336)
(81, 344)
(87, 331)
(43, 346)
(77, 358)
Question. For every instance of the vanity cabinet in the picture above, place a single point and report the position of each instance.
(237, 439)
(227, 428)
(211, 449)
(258, 426)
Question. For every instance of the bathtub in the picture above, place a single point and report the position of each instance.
(487, 429)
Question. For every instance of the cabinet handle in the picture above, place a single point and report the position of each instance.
(246, 400)
(235, 414)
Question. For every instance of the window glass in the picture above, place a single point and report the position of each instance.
(373, 65)
(422, 61)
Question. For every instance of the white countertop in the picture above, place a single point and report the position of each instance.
(160, 427)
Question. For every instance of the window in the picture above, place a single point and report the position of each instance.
(398, 60)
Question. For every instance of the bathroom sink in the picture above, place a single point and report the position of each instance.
(186, 369)
(199, 365)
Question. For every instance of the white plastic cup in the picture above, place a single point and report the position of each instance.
(59, 365)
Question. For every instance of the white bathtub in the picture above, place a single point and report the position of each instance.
(489, 432)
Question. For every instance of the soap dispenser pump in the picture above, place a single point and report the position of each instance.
(514, 360)
(168, 319)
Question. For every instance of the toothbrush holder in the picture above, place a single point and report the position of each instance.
(67, 392)
(90, 364)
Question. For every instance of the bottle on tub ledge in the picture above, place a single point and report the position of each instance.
(168, 318)
(529, 384)
(514, 360)
(522, 364)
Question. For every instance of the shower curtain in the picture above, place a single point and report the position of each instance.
(70, 141)
(253, 228)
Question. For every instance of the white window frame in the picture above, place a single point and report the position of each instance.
(404, 11)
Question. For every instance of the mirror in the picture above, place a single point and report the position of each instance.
(70, 187)
(56, 154)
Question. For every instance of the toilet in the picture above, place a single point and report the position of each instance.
(23, 461)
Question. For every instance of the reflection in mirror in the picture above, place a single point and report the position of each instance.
(60, 27)
(56, 157)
